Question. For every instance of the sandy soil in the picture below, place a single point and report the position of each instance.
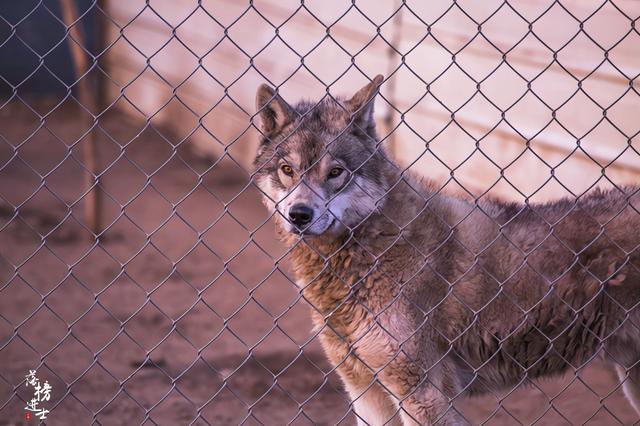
(184, 312)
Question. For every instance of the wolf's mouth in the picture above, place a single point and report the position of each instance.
(307, 231)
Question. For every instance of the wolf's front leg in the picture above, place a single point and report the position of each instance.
(428, 407)
(372, 405)
(370, 402)
(422, 398)
(630, 379)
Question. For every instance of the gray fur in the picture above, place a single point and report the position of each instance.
(439, 295)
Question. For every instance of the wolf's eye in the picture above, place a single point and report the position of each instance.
(287, 169)
(335, 172)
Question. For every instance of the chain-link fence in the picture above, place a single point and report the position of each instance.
(144, 281)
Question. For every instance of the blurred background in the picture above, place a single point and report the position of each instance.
(140, 274)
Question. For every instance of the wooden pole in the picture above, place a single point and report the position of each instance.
(389, 119)
(93, 199)
(102, 31)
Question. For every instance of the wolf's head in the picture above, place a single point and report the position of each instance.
(319, 164)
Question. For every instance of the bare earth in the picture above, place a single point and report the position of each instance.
(179, 315)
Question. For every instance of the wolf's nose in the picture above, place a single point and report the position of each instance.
(300, 214)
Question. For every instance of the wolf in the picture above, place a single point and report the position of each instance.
(421, 297)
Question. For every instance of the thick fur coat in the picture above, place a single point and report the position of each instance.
(421, 297)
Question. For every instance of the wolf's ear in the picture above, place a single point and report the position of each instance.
(361, 104)
(274, 112)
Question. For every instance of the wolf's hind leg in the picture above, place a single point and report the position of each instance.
(630, 379)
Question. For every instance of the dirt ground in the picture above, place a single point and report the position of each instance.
(184, 312)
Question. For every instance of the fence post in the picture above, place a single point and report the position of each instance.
(93, 198)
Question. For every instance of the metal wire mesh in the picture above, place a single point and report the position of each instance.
(144, 282)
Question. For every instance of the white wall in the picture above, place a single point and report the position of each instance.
(240, 61)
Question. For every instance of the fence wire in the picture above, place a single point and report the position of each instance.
(143, 280)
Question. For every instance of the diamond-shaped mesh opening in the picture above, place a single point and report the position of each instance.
(472, 254)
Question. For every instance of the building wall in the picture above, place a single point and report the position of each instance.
(546, 122)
